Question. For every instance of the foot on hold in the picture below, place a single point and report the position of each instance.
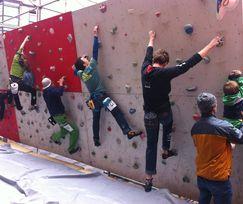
(97, 142)
(148, 185)
(170, 153)
(78, 149)
(133, 133)
(34, 107)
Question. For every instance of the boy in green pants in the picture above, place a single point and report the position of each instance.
(52, 96)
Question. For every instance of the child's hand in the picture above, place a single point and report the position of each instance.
(96, 30)
(152, 35)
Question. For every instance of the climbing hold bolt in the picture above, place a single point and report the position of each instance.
(134, 145)
(112, 47)
(188, 28)
(110, 76)
(103, 8)
(109, 128)
(118, 141)
(193, 88)
(135, 165)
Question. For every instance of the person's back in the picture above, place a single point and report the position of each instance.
(52, 96)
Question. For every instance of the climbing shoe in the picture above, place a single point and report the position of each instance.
(132, 133)
(148, 185)
(78, 149)
(170, 153)
(97, 142)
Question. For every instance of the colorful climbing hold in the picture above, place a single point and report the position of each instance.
(221, 42)
(103, 8)
(188, 28)
(157, 14)
(142, 136)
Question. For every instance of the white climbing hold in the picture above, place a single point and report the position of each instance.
(36, 26)
(60, 49)
(20, 30)
(39, 44)
(32, 53)
(60, 18)
(128, 88)
(131, 11)
(53, 68)
(4, 36)
(51, 31)
(70, 37)
(61, 59)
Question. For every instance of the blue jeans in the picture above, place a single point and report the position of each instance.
(221, 191)
(152, 121)
(98, 99)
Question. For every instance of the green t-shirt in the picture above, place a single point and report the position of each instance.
(90, 76)
(16, 69)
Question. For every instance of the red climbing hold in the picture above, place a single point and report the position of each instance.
(109, 128)
(157, 14)
(196, 116)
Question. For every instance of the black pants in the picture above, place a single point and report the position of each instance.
(98, 99)
(3, 96)
(152, 121)
(23, 87)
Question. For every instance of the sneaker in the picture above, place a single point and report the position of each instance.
(148, 185)
(170, 153)
(97, 142)
(78, 149)
(133, 133)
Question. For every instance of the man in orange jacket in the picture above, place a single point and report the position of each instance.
(212, 138)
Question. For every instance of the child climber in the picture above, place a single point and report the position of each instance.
(18, 68)
(52, 96)
(88, 73)
(233, 100)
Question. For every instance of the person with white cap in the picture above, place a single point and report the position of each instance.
(52, 96)
(212, 138)
(18, 68)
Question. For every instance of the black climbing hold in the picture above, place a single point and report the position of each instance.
(188, 28)
(135, 165)
(114, 30)
(134, 145)
(93, 153)
(120, 160)
(132, 111)
(105, 157)
(186, 179)
(179, 61)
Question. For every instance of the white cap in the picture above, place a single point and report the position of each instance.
(46, 82)
(14, 88)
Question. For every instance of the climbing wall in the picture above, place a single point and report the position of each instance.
(124, 27)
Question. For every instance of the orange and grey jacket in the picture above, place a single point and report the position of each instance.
(212, 138)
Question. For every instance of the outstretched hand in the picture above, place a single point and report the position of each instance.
(216, 41)
(96, 30)
(61, 80)
(152, 35)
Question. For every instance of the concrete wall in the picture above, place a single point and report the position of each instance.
(120, 59)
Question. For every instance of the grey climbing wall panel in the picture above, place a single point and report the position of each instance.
(120, 59)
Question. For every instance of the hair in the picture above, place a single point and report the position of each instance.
(161, 57)
(234, 74)
(231, 88)
(79, 64)
(206, 103)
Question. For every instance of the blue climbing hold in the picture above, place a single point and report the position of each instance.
(188, 28)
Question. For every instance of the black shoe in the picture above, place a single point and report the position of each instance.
(97, 142)
(56, 142)
(170, 153)
(148, 185)
(78, 149)
(133, 133)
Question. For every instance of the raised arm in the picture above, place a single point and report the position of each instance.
(173, 72)
(148, 60)
(27, 38)
(96, 43)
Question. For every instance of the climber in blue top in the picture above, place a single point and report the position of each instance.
(88, 73)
